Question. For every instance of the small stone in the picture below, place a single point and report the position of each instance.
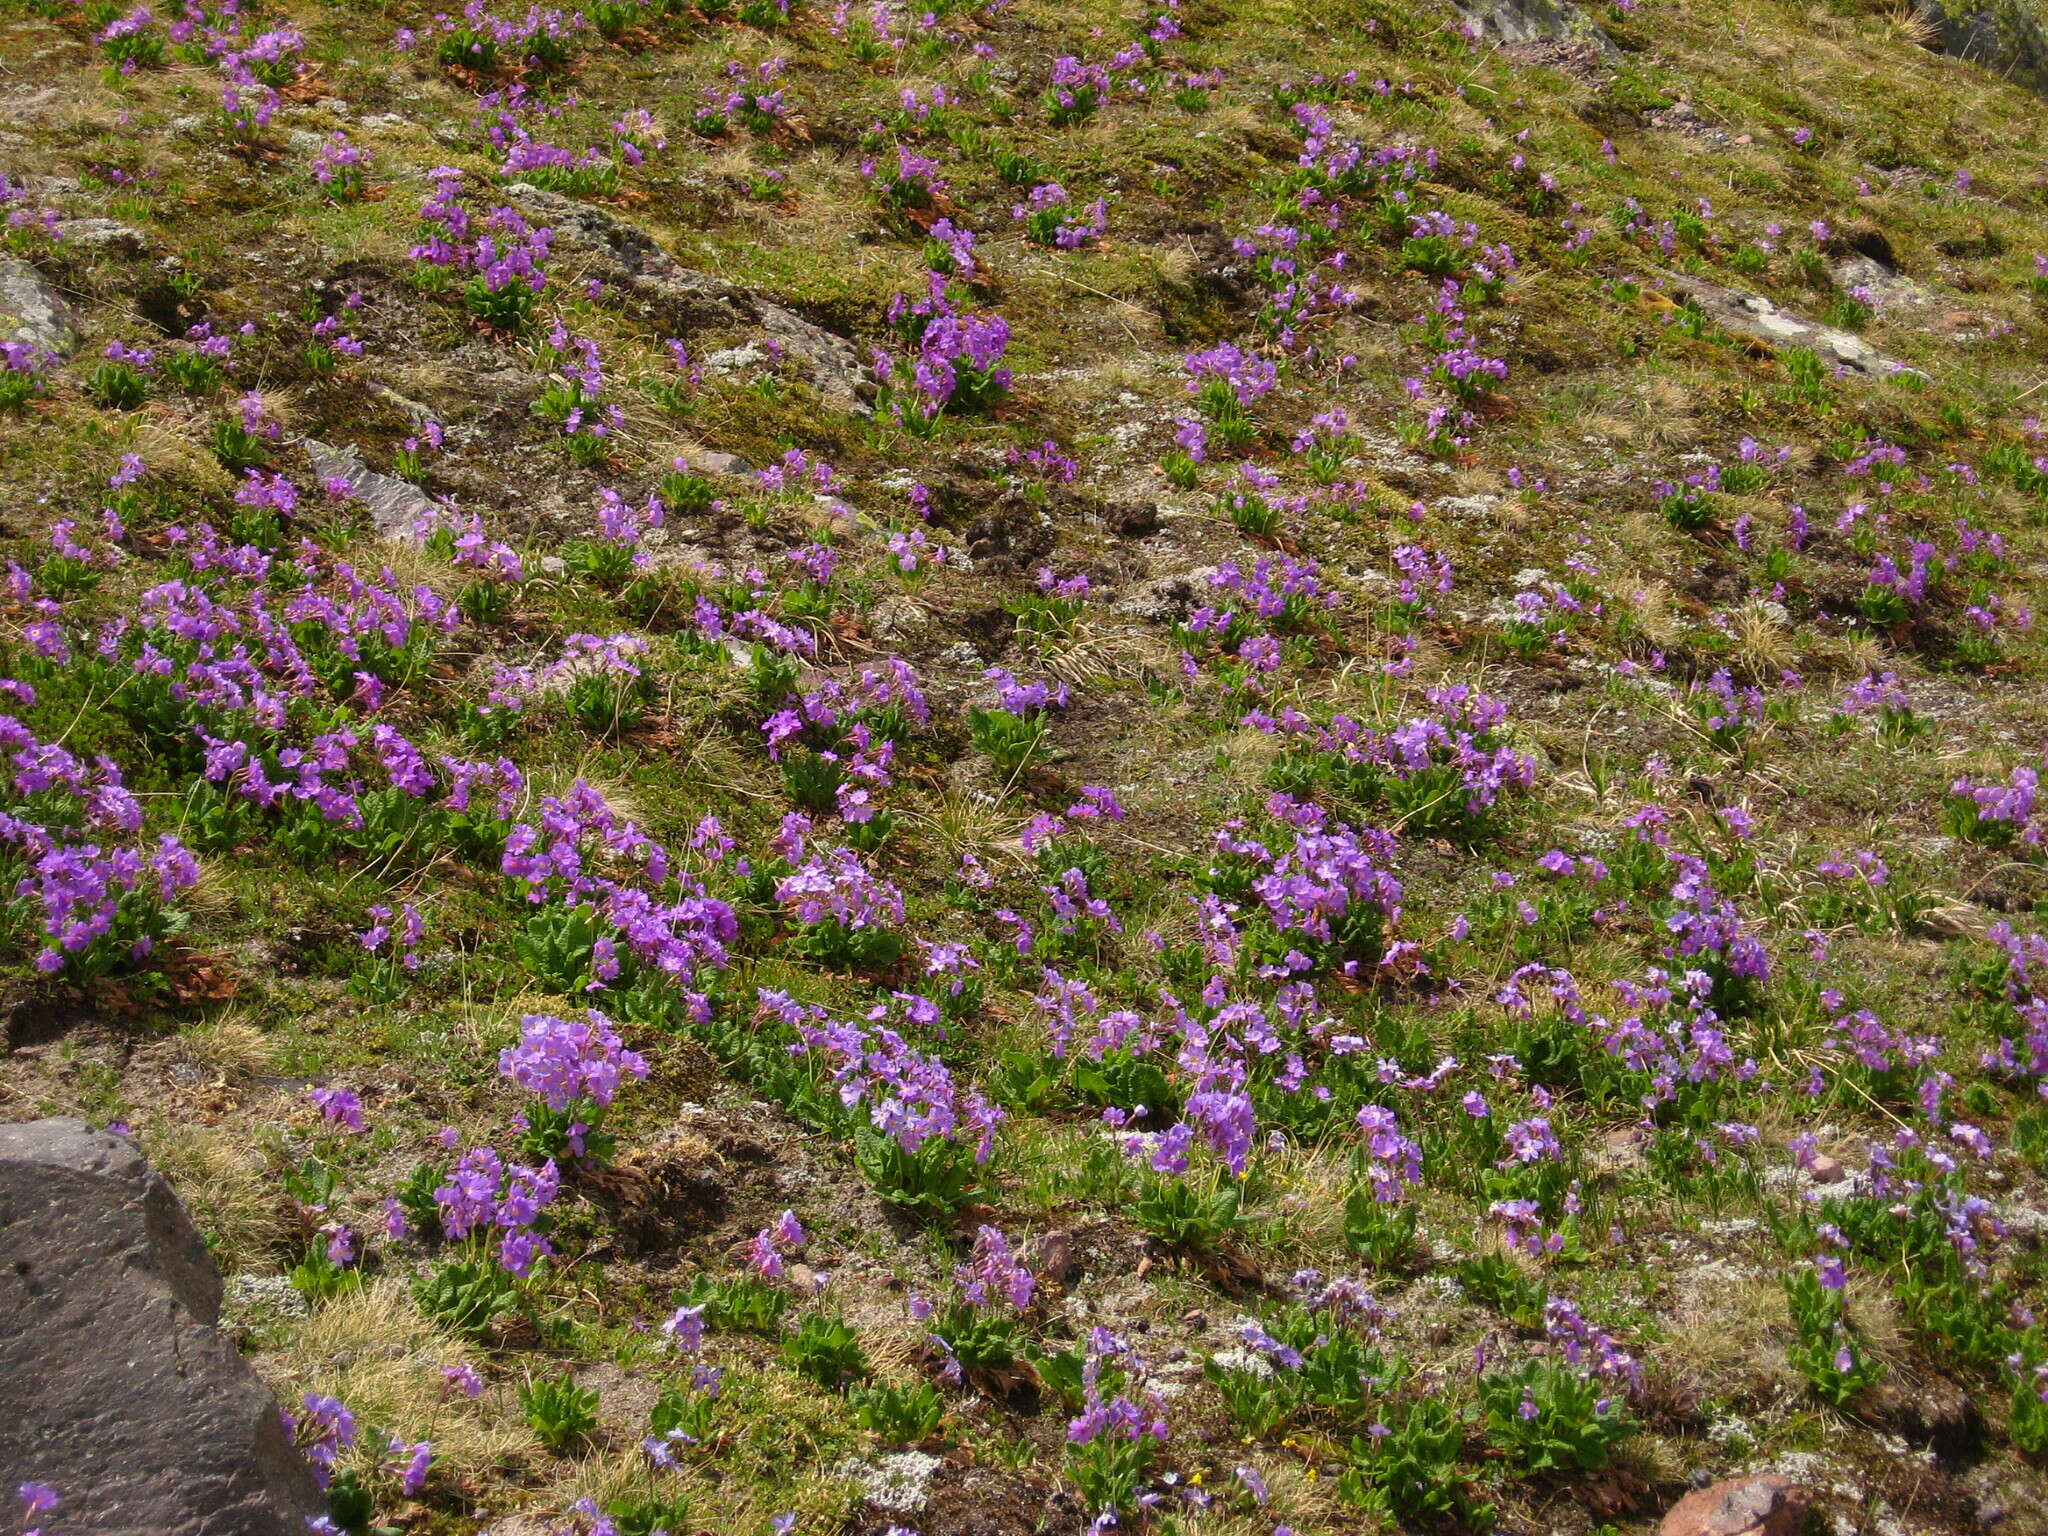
(1132, 519)
(1934, 1415)
(712, 463)
(1826, 1170)
(897, 620)
(806, 1281)
(1050, 1256)
(1768, 1505)
(1622, 1148)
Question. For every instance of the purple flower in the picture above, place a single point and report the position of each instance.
(341, 1106)
(686, 1329)
(519, 1251)
(328, 1429)
(995, 1269)
(417, 1457)
(463, 1378)
(38, 1499)
(1531, 1141)
(341, 1244)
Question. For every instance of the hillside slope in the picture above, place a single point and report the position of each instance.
(1220, 766)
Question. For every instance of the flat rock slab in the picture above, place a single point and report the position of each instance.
(32, 311)
(1531, 21)
(115, 1386)
(627, 256)
(1754, 316)
(398, 508)
(106, 236)
(1766, 1505)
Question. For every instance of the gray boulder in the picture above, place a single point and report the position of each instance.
(32, 311)
(1531, 21)
(115, 1386)
(1754, 316)
(2006, 37)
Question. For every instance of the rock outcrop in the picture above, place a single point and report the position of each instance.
(119, 1391)
(1531, 21)
(621, 255)
(398, 508)
(31, 310)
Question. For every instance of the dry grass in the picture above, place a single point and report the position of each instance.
(375, 1351)
(1762, 643)
(1727, 1329)
(973, 824)
(230, 1047)
(228, 1189)
(1651, 610)
(1854, 653)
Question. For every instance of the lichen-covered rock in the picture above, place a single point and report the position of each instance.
(32, 311)
(1754, 316)
(119, 1390)
(1530, 21)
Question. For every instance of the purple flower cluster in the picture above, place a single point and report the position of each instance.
(563, 1061)
(324, 1430)
(911, 1097)
(1025, 698)
(483, 1194)
(835, 886)
(505, 251)
(1240, 376)
(994, 1273)
(1050, 216)
(956, 361)
(339, 165)
(2010, 805)
(100, 900)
